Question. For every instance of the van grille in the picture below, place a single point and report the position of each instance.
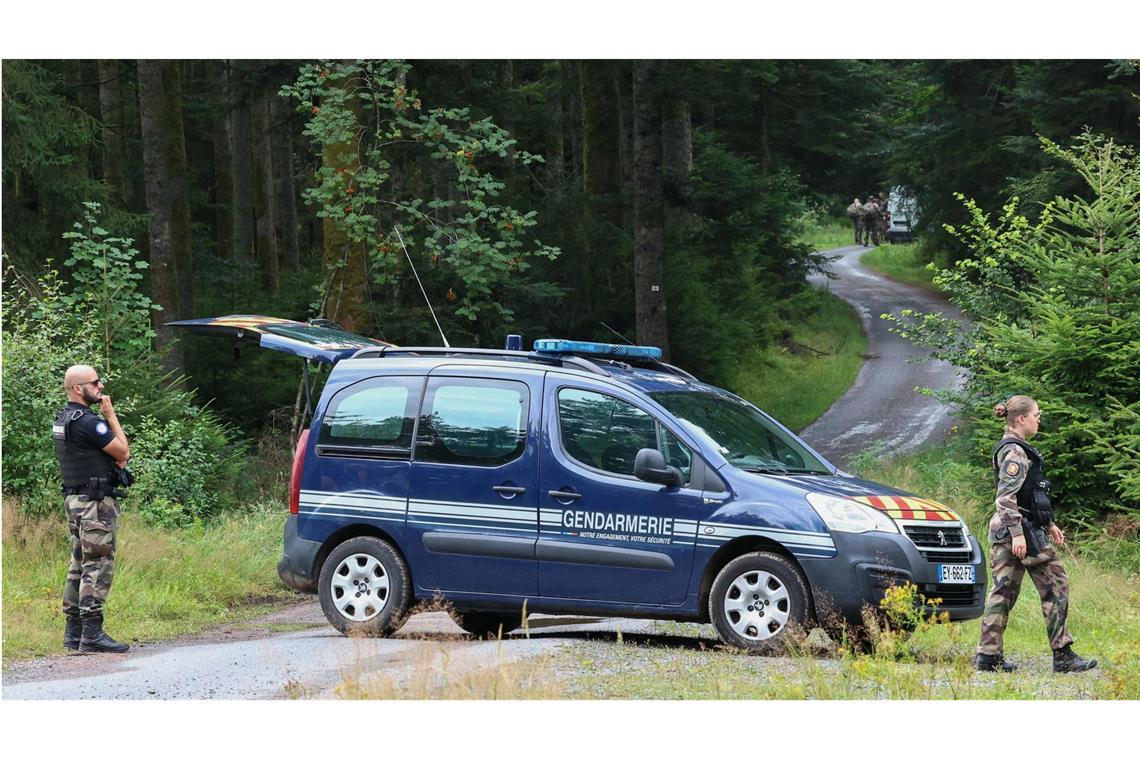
(930, 542)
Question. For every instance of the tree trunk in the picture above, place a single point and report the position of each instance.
(263, 195)
(112, 117)
(179, 185)
(284, 188)
(243, 171)
(765, 153)
(648, 209)
(345, 261)
(623, 81)
(73, 87)
(677, 143)
(554, 129)
(159, 192)
(572, 92)
(601, 138)
(223, 159)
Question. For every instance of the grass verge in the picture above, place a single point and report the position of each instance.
(902, 262)
(810, 368)
(167, 582)
(827, 234)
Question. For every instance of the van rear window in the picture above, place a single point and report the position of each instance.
(378, 412)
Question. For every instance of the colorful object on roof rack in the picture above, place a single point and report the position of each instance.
(589, 348)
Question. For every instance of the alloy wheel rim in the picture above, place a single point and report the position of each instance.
(757, 605)
(360, 587)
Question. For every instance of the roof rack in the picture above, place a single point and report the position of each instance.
(576, 362)
(674, 370)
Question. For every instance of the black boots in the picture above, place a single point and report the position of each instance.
(72, 632)
(1065, 660)
(993, 662)
(94, 640)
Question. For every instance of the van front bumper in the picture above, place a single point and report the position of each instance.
(296, 568)
(869, 563)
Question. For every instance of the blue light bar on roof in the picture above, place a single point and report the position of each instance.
(589, 348)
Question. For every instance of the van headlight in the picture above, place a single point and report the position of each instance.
(850, 516)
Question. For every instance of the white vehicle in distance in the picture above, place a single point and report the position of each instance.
(902, 204)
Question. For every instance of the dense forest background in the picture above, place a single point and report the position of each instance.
(661, 200)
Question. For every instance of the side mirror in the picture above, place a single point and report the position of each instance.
(650, 466)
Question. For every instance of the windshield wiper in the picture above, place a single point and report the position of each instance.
(767, 470)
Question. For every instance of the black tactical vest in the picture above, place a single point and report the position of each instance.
(78, 463)
(1033, 500)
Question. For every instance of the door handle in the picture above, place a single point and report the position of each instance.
(565, 495)
(512, 490)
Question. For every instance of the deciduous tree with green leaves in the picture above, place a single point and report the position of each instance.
(430, 172)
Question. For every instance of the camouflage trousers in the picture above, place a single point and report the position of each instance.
(92, 525)
(1052, 584)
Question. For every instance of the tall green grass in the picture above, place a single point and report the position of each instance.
(815, 363)
(167, 581)
(826, 234)
(902, 262)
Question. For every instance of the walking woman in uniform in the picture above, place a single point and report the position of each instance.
(1018, 544)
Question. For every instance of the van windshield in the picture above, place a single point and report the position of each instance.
(741, 433)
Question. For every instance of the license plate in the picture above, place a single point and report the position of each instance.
(955, 573)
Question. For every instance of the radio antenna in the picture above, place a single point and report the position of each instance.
(413, 266)
(615, 332)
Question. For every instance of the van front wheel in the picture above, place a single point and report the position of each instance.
(365, 587)
(756, 599)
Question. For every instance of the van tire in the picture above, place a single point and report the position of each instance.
(487, 625)
(365, 587)
(781, 597)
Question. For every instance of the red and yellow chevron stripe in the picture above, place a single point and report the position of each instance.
(909, 507)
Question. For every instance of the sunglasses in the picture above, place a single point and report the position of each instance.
(96, 381)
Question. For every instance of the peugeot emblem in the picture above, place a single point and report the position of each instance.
(941, 538)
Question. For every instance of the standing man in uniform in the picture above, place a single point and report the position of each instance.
(870, 221)
(90, 449)
(855, 214)
(1018, 544)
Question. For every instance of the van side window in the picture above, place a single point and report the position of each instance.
(376, 413)
(605, 433)
(473, 421)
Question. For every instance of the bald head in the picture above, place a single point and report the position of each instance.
(80, 383)
(78, 373)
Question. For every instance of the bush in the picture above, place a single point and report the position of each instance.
(181, 455)
(41, 340)
(1053, 312)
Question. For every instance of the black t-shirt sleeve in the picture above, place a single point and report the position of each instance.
(93, 430)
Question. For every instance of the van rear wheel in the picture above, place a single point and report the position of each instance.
(756, 600)
(365, 587)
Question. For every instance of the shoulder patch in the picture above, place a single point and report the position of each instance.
(1013, 469)
(101, 428)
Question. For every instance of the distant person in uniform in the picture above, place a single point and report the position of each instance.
(855, 214)
(1018, 544)
(91, 450)
(870, 220)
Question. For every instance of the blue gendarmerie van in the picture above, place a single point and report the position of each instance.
(591, 478)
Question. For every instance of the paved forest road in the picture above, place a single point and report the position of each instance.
(882, 408)
(295, 653)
